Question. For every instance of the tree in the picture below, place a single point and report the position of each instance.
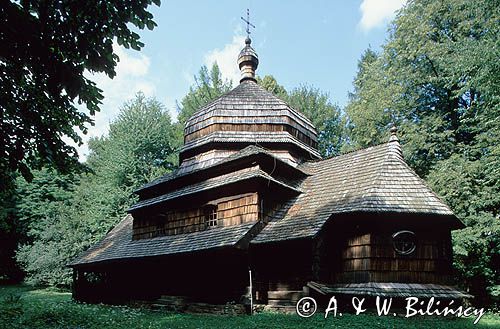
(269, 83)
(472, 189)
(140, 146)
(38, 207)
(209, 85)
(317, 107)
(10, 233)
(47, 47)
(371, 107)
(437, 78)
(325, 116)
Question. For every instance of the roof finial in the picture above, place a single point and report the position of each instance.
(248, 59)
(394, 133)
(248, 25)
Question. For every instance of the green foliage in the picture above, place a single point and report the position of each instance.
(370, 110)
(438, 78)
(48, 308)
(325, 116)
(10, 232)
(140, 145)
(472, 189)
(46, 48)
(269, 83)
(317, 107)
(64, 218)
(209, 85)
(429, 80)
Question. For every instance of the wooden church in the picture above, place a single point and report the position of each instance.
(254, 213)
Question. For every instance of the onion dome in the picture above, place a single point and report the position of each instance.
(248, 61)
(247, 115)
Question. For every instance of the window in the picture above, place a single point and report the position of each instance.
(211, 216)
(404, 242)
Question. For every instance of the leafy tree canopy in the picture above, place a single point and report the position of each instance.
(317, 107)
(47, 46)
(64, 217)
(208, 85)
(437, 78)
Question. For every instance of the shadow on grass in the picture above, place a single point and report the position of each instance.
(27, 307)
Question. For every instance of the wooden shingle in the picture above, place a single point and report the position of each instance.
(118, 243)
(375, 179)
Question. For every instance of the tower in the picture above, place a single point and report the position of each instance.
(247, 115)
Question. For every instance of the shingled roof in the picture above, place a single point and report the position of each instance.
(118, 243)
(247, 152)
(228, 120)
(388, 289)
(375, 179)
(249, 103)
(212, 183)
(371, 180)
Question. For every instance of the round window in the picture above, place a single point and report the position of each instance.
(404, 242)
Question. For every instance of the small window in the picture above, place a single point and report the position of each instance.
(404, 242)
(211, 216)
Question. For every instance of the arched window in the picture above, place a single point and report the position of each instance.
(210, 213)
(404, 242)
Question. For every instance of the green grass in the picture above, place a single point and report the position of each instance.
(27, 307)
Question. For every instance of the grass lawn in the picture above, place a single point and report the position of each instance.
(27, 307)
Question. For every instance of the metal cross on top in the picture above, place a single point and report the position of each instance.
(248, 23)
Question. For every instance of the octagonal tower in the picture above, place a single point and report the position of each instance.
(247, 115)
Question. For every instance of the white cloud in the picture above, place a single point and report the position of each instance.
(376, 13)
(171, 106)
(226, 59)
(131, 77)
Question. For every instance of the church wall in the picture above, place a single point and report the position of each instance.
(280, 266)
(362, 251)
(233, 210)
(267, 127)
(214, 276)
(371, 258)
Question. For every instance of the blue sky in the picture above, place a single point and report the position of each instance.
(298, 42)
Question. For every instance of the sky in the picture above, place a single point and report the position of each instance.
(317, 43)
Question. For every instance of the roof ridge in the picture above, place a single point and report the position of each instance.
(346, 153)
(212, 102)
(253, 134)
(244, 152)
(299, 112)
(395, 150)
(376, 179)
(207, 184)
(424, 183)
(254, 84)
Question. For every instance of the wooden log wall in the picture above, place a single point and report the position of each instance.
(283, 266)
(370, 257)
(234, 210)
(250, 127)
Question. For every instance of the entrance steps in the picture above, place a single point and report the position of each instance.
(181, 304)
(283, 301)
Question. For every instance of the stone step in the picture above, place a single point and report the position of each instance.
(294, 295)
(227, 309)
(281, 302)
(167, 308)
(280, 309)
(284, 286)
